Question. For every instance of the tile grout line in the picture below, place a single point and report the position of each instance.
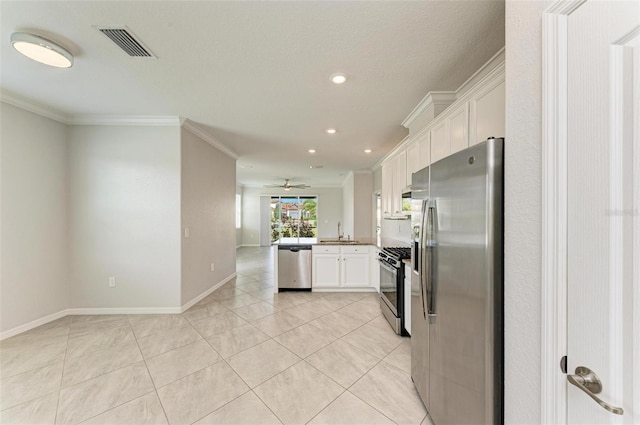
(155, 389)
(64, 362)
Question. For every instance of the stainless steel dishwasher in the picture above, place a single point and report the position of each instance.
(294, 267)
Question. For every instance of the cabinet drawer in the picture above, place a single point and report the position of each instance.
(325, 249)
(361, 249)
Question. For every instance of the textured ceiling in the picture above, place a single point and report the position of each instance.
(255, 75)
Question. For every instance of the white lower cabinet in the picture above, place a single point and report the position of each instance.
(341, 267)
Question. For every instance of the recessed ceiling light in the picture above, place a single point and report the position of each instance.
(338, 78)
(316, 166)
(367, 151)
(41, 50)
(312, 151)
(331, 131)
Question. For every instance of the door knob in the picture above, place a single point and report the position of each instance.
(589, 382)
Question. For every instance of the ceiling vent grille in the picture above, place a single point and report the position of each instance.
(123, 37)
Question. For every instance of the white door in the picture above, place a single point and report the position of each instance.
(603, 209)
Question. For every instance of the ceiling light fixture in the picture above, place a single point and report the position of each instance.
(41, 50)
(338, 78)
(367, 151)
(312, 151)
(331, 131)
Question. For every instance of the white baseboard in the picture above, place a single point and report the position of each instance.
(365, 289)
(124, 310)
(250, 244)
(33, 324)
(194, 301)
(105, 311)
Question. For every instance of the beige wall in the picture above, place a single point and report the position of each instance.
(124, 183)
(523, 174)
(208, 210)
(33, 217)
(363, 205)
(348, 206)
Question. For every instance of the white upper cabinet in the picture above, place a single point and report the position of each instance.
(418, 154)
(387, 188)
(399, 173)
(394, 180)
(413, 160)
(440, 147)
(459, 128)
(487, 111)
(471, 115)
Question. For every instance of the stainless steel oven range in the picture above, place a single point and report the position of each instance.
(392, 286)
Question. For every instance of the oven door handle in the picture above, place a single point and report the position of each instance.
(388, 267)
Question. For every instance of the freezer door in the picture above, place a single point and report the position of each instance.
(465, 297)
(419, 325)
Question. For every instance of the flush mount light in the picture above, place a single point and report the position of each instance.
(367, 151)
(331, 131)
(312, 151)
(41, 50)
(338, 78)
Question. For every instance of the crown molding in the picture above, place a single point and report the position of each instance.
(47, 112)
(196, 130)
(41, 110)
(149, 120)
(433, 98)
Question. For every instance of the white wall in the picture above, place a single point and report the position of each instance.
(348, 205)
(208, 210)
(329, 210)
(363, 205)
(523, 168)
(239, 231)
(33, 217)
(124, 184)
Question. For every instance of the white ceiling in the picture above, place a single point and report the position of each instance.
(255, 75)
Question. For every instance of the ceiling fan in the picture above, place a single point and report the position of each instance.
(288, 186)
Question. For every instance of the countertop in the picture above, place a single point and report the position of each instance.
(380, 243)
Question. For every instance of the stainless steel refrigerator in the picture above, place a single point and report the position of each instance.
(457, 286)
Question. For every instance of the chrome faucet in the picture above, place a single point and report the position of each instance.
(340, 236)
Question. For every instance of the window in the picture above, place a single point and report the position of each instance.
(238, 211)
(293, 217)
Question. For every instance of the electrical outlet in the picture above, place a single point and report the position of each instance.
(112, 281)
(213, 266)
(187, 232)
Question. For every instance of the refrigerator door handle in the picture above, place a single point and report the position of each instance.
(431, 227)
(421, 259)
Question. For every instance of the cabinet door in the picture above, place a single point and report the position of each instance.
(440, 147)
(458, 122)
(374, 266)
(424, 142)
(326, 270)
(399, 180)
(413, 160)
(355, 270)
(387, 188)
(487, 112)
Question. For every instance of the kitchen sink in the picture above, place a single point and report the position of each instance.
(338, 242)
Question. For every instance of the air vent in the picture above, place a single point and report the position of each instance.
(125, 39)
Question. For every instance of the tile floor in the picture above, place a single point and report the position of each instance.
(240, 356)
